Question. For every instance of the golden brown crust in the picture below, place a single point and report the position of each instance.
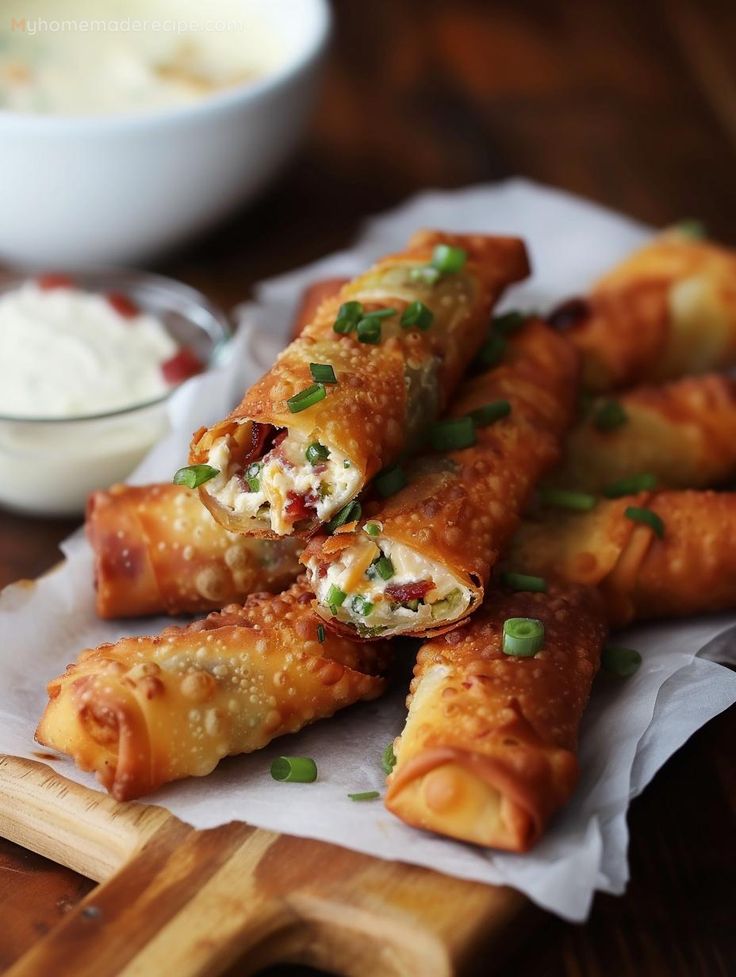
(312, 298)
(667, 310)
(488, 751)
(682, 432)
(690, 570)
(145, 711)
(368, 415)
(460, 508)
(158, 550)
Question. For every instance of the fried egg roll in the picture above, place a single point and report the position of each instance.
(682, 433)
(488, 752)
(680, 563)
(353, 391)
(158, 550)
(666, 311)
(146, 711)
(418, 562)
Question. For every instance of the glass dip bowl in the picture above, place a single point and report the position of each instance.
(49, 465)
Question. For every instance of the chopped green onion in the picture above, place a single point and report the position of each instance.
(609, 415)
(383, 567)
(348, 513)
(320, 633)
(335, 597)
(522, 636)
(306, 398)
(369, 331)
(490, 413)
(620, 661)
(316, 453)
(294, 769)
(253, 476)
(448, 259)
(366, 795)
(380, 314)
(388, 758)
(426, 275)
(417, 314)
(508, 322)
(647, 517)
(323, 372)
(491, 353)
(692, 228)
(567, 499)
(194, 475)
(524, 581)
(630, 485)
(411, 605)
(346, 464)
(453, 434)
(372, 528)
(390, 481)
(348, 316)
(361, 605)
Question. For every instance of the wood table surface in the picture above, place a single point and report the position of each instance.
(631, 103)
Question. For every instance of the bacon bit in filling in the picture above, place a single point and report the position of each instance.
(301, 506)
(402, 593)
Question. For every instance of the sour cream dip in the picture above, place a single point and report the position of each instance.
(66, 352)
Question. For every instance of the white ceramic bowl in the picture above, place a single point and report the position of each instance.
(121, 188)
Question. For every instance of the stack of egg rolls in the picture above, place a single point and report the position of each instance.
(668, 310)
(417, 562)
(357, 387)
(145, 711)
(488, 752)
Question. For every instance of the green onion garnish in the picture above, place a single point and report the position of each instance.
(361, 605)
(490, 413)
(522, 636)
(491, 353)
(372, 528)
(425, 274)
(390, 481)
(348, 316)
(346, 464)
(647, 517)
(320, 633)
(366, 795)
(335, 597)
(316, 453)
(417, 314)
(692, 228)
(306, 398)
(388, 758)
(253, 476)
(348, 513)
(620, 661)
(453, 434)
(383, 566)
(380, 314)
(609, 415)
(524, 581)
(508, 322)
(294, 769)
(630, 485)
(567, 499)
(447, 259)
(369, 331)
(194, 475)
(322, 372)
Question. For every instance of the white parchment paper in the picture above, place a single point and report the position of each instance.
(631, 728)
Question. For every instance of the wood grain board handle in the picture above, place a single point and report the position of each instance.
(192, 903)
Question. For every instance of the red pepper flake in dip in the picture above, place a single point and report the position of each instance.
(123, 305)
(53, 280)
(181, 366)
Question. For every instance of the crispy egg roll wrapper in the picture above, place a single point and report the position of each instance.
(488, 752)
(312, 297)
(690, 570)
(683, 432)
(668, 310)
(383, 396)
(158, 550)
(146, 711)
(449, 524)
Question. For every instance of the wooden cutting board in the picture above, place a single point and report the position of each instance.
(189, 903)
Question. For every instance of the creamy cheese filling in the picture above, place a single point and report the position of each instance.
(359, 588)
(270, 489)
